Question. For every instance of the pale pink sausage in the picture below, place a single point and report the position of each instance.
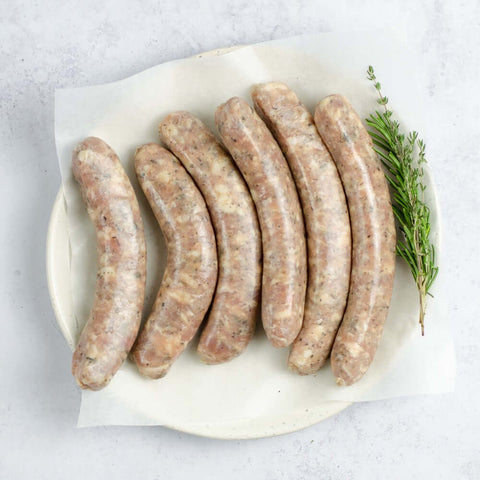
(373, 235)
(191, 272)
(121, 257)
(326, 221)
(268, 177)
(231, 320)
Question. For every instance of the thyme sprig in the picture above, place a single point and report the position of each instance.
(403, 158)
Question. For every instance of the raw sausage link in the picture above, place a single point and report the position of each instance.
(281, 223)
(373, 235)
(326, 222)
(231, 321)
(121, 256)
(191, 271)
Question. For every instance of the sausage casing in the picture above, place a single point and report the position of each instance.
(326, 218)
(231, 320)
(121, 257)
(190, 274)
(373, 237)
(268, 177)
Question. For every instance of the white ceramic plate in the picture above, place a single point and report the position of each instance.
(252, 389)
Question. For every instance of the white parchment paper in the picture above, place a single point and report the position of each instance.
(257, 384)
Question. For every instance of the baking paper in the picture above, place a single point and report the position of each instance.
(257, 384)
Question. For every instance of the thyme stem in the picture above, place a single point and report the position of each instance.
(403, 157)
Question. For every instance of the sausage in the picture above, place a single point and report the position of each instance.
(373, 237)
(190, 275)
(268, 177)
(115, 317)
(231, 321)
(326, 218)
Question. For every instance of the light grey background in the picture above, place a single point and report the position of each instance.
(51, 44)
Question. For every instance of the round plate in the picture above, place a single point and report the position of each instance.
(258, 374)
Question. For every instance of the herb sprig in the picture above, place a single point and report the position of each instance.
(403, 158)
